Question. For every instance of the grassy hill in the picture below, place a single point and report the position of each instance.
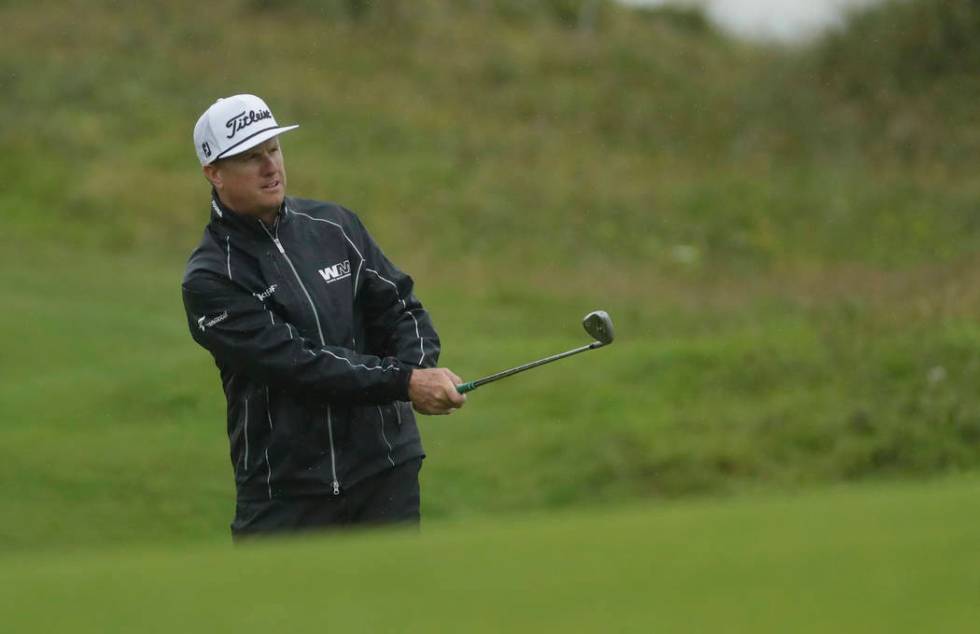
(786, 240)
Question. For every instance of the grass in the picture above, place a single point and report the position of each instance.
(791, 263)
(116, 431)
(604, 143)
(874, 558)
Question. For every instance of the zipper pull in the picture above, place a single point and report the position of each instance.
(279, 246)
(336, 488)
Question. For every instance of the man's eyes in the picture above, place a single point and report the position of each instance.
(258, 155)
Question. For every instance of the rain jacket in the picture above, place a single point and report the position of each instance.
(315, 334)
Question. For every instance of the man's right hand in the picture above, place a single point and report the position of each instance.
(433, 391)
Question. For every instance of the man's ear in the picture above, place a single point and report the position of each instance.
(213, 174)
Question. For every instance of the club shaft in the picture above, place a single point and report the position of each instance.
(472, 385)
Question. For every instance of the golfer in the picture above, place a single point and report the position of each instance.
(322, 347)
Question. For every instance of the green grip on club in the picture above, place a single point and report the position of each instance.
(466, 387)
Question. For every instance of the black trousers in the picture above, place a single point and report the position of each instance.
(390, 497)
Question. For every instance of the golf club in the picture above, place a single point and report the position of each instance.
(597, 324)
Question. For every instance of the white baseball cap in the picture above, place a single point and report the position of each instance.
(232, 125)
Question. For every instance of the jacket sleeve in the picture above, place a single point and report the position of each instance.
(240, 332)
(394, 318)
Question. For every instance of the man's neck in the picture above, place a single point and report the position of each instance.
(266, 216)
(269, 217)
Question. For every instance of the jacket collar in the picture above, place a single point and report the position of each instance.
(230, 220)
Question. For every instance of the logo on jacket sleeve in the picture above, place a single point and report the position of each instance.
(336, 272)
(205, 322)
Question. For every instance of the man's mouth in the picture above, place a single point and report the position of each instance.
(273, 185)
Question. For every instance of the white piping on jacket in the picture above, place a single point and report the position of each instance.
(383, 436)
(268, 413)
(246, 433)
(418, 335)
(353, 366)
(268, 478)
(228, 251)
(346, 237)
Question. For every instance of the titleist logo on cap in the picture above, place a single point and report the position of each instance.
(244, 119)
(216, 133)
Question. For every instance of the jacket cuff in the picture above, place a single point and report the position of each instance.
(404, 377)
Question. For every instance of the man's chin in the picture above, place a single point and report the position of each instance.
(266, 204)
(273, 198)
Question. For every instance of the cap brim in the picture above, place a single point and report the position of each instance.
(254, 139)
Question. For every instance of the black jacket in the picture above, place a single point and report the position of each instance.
(316, 334)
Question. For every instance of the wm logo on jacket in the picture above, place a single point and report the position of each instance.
(336, 272)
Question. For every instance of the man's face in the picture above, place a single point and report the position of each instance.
(253, 182)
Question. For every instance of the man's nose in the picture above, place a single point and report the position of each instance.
(268, 164)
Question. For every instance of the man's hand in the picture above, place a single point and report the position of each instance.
(433, 391)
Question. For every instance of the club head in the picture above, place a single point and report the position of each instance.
(599, 326)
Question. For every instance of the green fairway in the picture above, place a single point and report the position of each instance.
(868, 559)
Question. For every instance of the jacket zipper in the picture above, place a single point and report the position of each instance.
(275, 240)
(323, 342)
(333, 458)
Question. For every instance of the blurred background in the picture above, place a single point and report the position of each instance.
(777, 202)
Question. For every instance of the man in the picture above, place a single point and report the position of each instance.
(319, 340)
